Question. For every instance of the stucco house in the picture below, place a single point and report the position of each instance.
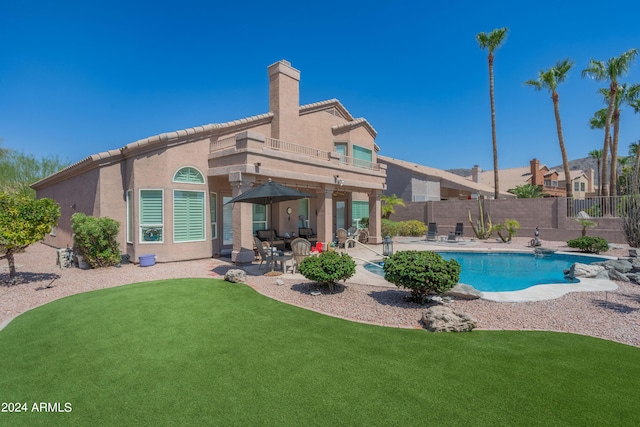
(551, 181)
(418, 183)
(169, 191)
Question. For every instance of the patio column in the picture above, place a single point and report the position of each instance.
(242, 252)
(325, 214)
(375, 217)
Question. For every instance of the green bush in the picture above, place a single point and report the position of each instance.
(389, 228)
(328, 268)
(95, 239)
(412, 228)
(423, 272)
(589, 244)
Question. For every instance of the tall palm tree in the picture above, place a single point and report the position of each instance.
(624, 95)
(597, 155)
(597, 122)
(492, 42)
(610, 71)
(550, 79)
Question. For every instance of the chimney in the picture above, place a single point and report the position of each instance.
(284, 100)
(536, 179)
(475, 174)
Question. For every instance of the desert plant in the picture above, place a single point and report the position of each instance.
(585, 223)
(412, 228)
(423, 272)
(95, 239)
(328, 268)
(482, 228)
(589, 244)
(511, 226)
(389, 203)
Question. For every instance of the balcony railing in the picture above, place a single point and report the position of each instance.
(601, 206)
(221, 144)
(289, 147)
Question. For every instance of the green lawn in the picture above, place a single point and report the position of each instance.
(206, 352)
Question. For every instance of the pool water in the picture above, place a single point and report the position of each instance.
(508, 271)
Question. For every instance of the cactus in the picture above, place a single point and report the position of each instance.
(483, 228)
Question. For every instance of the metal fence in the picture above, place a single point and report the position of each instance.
(600, 206)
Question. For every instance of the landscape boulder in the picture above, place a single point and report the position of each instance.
(442, 318)
(235, 276)
(587, 271)
(463, 291)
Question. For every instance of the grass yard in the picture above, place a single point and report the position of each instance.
(207, 352)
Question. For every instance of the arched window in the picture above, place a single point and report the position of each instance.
(190, 175)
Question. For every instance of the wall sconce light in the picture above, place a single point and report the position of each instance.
(338, 181)
(257, 164)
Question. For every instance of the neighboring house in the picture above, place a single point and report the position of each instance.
(417, 183)
(551, 181)
(169, 191)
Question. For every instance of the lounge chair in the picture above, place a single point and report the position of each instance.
(307, 233)
(432, 231)
(301, 249)
(459, 230)
(271, 236)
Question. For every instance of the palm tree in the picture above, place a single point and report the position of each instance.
(527, 191)
(390, 202)
(610, 71)
(550, 79)
(597, 122)
(492, 42)
(597, 155)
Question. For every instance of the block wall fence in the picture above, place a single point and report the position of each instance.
(550, 214)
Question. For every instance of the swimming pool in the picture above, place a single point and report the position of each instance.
(510, 271)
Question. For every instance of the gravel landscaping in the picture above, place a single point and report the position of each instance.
(613, 315)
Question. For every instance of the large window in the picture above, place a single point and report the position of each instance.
(259, 218)
(213, 207)
(303, 213)
(129, 216)
(188, 216)
(359, 210)
(341, 148)
(151, 216)
(227, 221)
(362, 157)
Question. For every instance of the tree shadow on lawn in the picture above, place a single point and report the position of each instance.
(25, 278)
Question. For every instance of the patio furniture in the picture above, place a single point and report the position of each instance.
(307, 233)
(262, 251)
(459, 230)
(271, 235)
(301, 249)
(342, 236)
(268, 255)
(432, 231)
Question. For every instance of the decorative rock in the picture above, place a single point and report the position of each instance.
(635, 265)
(464, 292)
(633, 252)
(584, 270)
(235, 276)
(634, 278)
(620, 265)
(603, 275)
(544, 251)
(617, 275)
(442, 318)
(279, 282)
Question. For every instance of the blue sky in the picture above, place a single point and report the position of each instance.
(78, 78)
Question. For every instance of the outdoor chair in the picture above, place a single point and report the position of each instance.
(301, 249)
(432, 231)
(271, 236)
(342, 236)
(307, 233)
(459, 230)
(262, 251)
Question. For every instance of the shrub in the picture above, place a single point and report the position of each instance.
(589, 244)
(412, 228)
(328, 268)
(511, 226)
(389, 228)
(95, 239)
(423, 272)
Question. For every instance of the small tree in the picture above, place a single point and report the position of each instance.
(23, 221)
(328, 268)
(389, 203)
(511, 226)
(95, 239)
(423, 272)
(584, 222)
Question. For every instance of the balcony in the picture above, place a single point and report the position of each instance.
(289, 147)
